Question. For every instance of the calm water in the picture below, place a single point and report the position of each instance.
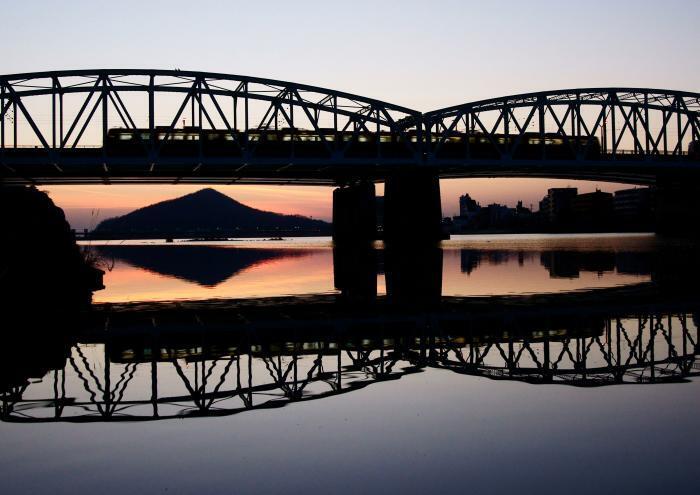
(503, 364)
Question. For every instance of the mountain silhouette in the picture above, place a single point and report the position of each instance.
(203, 265)
(209, 211)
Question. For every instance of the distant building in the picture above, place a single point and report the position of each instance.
(498, 216)
(634, 208)
(467, 205)
(557, 207)
(593, 210)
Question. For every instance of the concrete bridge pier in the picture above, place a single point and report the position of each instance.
(354, 213)
(678, 207)
(412, 209)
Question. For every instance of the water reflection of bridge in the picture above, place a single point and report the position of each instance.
(154, 364)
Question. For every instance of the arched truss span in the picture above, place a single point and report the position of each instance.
(626, 124)
(58, 125)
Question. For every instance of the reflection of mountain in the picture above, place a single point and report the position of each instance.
(203, 265)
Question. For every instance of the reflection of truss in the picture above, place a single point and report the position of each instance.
(226, 380)
(54, 127)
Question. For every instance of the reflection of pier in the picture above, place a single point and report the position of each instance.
(156, 364)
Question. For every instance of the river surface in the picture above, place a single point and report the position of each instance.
(492, 364)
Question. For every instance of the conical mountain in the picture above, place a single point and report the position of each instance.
(206, 210)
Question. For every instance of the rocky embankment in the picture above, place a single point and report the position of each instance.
(40, 264)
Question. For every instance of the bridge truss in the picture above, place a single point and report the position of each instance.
(119, 381)
(635, 129)
(55, 128)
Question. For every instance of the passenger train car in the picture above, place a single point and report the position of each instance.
(302, 143)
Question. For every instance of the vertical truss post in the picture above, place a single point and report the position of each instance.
(105, 116)
(541, 111)
(663, 130)
(618, 349)
(235, 113)
(246, 122)
(151, 118)
(506, 128)
(467, 133)
(2, 118)
(578, 126)
(652, 345)
(106, 395)
(53, 112)
(199, 121)
(192, 109)
(14, 123)
(291, 122)
(637, 147)
(679, 131)
(155, 352)
(648, 126)
(60, 118)
(613, 123)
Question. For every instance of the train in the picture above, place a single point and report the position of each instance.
(304, 143)
(694, 150)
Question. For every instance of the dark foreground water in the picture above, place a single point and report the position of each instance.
(516, 364)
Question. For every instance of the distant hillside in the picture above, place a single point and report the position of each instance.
(207, 212)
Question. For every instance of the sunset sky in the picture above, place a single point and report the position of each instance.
(423, 55)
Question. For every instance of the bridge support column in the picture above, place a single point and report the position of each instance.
(678, 208)
(412, 208)
(354, 213)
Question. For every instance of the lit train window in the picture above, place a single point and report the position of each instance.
(363, 138)
(125, 137)
(385, 139)
(145, 136)
(329, 137)
(228, 137)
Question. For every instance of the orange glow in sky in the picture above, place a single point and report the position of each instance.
(85, 206)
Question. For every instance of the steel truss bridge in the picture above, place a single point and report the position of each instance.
(195, 127)
(161, 370)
